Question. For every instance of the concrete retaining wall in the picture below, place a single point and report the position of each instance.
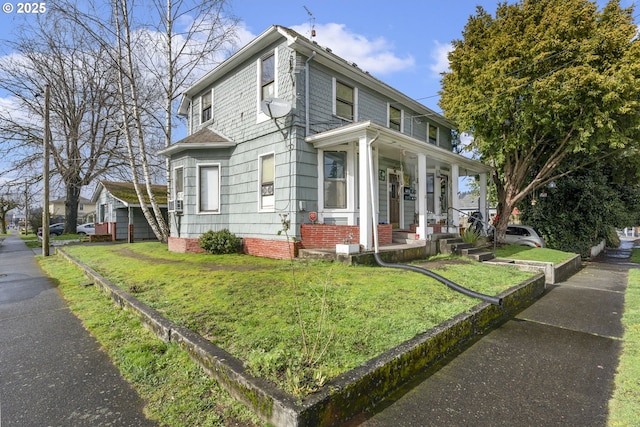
(553, 273)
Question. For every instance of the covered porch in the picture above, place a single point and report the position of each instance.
(370, 174)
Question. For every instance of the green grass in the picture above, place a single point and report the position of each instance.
(635, 255)
(176, 391)
(249, 305)
(526, 253)
(624, 409)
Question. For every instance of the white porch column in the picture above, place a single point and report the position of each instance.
(421, 230)
(366, 222)
(455, 198)
(483, 198)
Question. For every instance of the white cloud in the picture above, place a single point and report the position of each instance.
(439, 54)
(376, 56)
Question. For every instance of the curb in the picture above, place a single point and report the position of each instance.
(348, 394)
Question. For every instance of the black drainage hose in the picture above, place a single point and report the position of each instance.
(445, 281)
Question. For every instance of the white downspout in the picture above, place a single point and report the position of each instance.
(374, 211)
(306, 92)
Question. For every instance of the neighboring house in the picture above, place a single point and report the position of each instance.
(286, 128)
(470, 203)
(86, 210)
(119, 213)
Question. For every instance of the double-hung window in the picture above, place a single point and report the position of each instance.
(335, 180)
(433, 134)
(344, 101)
(268, 76)
(395, 118)
(267, 182)
(178, 183)
(205, 107)
(209, 188)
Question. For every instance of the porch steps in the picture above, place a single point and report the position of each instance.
(404, 237)
(455, 245)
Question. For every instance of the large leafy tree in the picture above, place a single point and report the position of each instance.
(542, 81)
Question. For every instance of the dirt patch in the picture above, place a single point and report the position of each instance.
(126, 252)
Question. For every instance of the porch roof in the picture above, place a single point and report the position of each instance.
(393, 144)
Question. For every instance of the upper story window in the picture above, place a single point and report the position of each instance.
(335, 179)
(433, 134)
(395, 118)
(345, 101)
(268, 76)
(267, 182)
(205, 107)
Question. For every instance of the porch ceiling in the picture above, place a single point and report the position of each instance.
(396, 145)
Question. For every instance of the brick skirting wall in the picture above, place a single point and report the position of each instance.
(277, 249)
(327, 236)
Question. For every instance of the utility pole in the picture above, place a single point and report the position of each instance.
(45, 175)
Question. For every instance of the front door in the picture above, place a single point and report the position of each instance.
(394, 200)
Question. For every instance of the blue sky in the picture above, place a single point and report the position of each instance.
(401, 42)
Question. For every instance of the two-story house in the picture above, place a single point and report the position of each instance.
(284, 128)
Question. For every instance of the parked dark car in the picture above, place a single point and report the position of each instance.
(54, 229)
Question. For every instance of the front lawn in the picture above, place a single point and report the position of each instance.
(526, 253)
(298, 324)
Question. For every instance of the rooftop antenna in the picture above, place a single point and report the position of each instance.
(312, 22)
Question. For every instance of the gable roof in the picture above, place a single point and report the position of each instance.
(126, 193)
(306, 47)
(204, 138)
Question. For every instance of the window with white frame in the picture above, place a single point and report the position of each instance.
(268, 76)
(395, 118)
(433, 134)
(208, 188)
(206, 102)
(344, 100)
(178, 183)
(267, 182)
(335, 179)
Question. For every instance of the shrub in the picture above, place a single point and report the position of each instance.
(220, 242)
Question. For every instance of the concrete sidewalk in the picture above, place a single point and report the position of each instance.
(552, 365)
(52, 372)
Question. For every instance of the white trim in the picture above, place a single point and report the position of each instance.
(260, 157)
(198, 167)
(348, 213)
(260, 116)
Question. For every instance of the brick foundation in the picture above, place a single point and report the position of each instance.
(327, 236)
(185, 245)
(277, 249)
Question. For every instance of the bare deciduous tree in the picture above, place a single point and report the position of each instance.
(154, 62)
(84, 125)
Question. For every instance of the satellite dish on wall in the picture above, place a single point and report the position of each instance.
(275, 107)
